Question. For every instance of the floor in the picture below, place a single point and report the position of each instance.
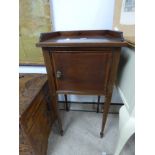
(81, 134)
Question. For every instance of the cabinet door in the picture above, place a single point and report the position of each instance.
(82, 72)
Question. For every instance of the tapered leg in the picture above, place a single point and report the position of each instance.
(66, 103)
(105, 112)
(56, 112)
(51, 84)
(55, 99)
(98, 103)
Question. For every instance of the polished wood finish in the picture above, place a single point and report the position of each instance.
(36, 114)
(90, 38)
(76, 73)
(82, 62)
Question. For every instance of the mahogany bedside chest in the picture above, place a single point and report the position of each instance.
(82, 62)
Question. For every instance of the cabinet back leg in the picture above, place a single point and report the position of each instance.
(66, 103)
(98, 104)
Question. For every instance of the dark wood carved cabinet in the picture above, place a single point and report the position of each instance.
(82, 62)
(36, 114)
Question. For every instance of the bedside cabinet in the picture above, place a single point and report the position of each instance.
(82, 62)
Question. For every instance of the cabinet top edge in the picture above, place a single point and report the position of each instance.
(82, 38)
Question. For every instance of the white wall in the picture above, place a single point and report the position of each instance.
(82, 14)
(32, 69)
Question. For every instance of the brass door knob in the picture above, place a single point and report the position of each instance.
(58, 74)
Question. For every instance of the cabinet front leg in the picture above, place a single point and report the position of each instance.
(58, 116)
(56, 112)
(105, 112)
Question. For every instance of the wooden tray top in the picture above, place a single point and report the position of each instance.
(89, 38)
